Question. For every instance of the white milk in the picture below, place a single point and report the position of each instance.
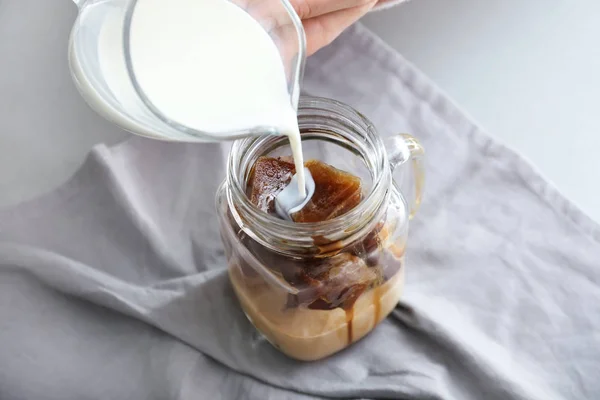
(208, 65)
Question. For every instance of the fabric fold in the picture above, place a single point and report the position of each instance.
(114, 285)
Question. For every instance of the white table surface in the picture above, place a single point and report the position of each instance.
(527, 71)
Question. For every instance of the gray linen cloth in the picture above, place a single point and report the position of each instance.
(113, 286)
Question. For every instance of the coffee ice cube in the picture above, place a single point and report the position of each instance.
(269, 176)
(336, 193)
(333, 282)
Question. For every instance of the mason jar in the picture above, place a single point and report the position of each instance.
(313, 289)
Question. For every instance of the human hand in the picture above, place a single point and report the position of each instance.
(325, 20)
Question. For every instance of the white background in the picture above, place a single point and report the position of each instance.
(528, 71)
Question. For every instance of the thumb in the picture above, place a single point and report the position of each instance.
(322, 30)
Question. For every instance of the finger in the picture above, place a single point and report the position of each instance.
(313, 8)
(272, 13)
(286, 39)
(269, 13)
(322, 30)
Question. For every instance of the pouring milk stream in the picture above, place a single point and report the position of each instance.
(205, 64)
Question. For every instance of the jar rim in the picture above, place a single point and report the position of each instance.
(302, 234)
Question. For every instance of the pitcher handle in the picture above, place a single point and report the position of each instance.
(400, 149)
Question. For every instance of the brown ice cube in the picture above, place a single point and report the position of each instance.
(336, 193)
(333, 282)
(370, 247)
(269, 176)
(342, 279)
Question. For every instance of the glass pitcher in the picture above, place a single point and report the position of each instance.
(312, 289)
(112, 89)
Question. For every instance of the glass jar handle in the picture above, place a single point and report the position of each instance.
(400, 149)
